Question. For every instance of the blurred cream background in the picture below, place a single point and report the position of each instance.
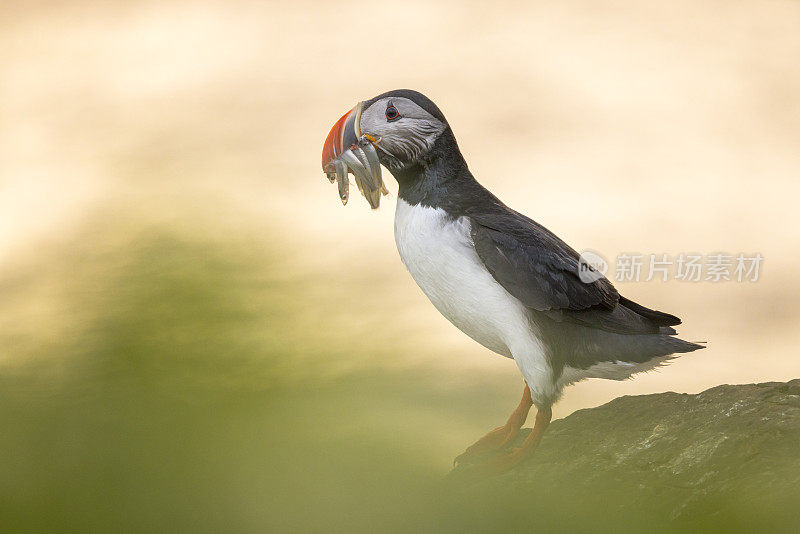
(623, 127)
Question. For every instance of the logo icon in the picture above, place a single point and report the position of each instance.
(591, 266)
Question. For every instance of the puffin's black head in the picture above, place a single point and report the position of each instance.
(402, 124)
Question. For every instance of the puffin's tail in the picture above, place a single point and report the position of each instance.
(658, 318)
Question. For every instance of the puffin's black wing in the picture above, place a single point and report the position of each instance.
(540, 270)
(535, 266)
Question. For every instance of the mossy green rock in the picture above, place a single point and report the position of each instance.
(726, 459)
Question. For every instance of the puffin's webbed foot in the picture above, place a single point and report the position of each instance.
(500, 437)
(495, 440)
(508, 459)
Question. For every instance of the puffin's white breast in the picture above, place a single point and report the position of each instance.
(439, 254)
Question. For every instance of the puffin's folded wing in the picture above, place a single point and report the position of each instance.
(538, 268)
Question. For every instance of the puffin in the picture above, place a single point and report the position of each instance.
(503, 279)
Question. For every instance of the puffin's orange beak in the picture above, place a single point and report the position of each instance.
(347, 149)
(344, 135)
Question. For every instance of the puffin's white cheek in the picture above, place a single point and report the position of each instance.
(383, 129)
(395, 145)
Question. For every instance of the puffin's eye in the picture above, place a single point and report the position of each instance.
(391, 113)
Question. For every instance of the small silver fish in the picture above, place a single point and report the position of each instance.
(362, 160)
(373, 164)
(342, 181)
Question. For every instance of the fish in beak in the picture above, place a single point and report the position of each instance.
(348, 150)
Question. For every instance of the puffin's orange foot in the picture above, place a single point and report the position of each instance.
(495, 465)
(510, 459)
(501, 436)
(495, 440)
(504, 462)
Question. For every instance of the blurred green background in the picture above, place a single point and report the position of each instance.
(196, 336)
